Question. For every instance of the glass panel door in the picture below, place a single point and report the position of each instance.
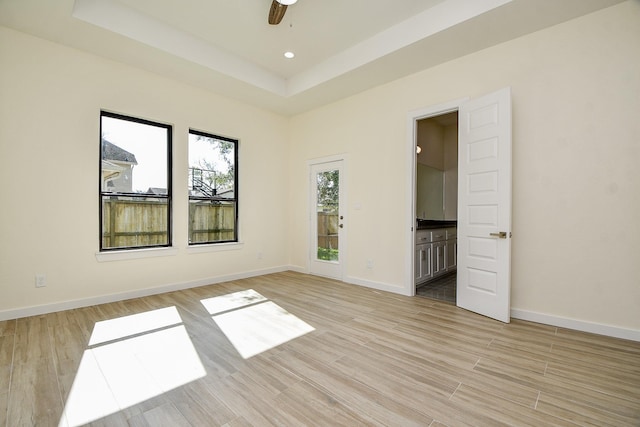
(327, 220)
(327, 211)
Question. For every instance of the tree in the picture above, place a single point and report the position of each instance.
(328, 189)
(219, 171)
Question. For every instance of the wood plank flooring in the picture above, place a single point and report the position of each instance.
(328, 354)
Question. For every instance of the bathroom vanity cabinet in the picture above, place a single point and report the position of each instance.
(436, 252)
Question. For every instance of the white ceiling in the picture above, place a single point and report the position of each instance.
(342, 46)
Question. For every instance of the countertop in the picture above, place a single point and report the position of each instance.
(427, 224)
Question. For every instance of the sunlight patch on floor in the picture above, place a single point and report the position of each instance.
(121, 327)
(216, 305)
(114, 375)
(253, 324)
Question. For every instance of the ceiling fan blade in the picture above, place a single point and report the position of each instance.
(276, 13)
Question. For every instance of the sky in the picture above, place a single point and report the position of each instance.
(148, 144)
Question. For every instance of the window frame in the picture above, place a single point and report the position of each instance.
(168, 197)
(235, 199)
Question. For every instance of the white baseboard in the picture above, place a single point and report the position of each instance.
(121, 296)
(532, 316)
(375, 285)
(298, 269)
(578, 325)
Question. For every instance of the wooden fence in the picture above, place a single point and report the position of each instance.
(328, 230)
(132, 223)
(211, 222)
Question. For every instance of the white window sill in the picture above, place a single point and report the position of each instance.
(215, 247)
(135, 254)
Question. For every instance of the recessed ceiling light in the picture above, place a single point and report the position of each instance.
(289, 55)
(287, 2)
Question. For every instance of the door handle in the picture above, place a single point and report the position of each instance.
(499, 234)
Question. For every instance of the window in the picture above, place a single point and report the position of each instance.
(213, 189)
(135, 183)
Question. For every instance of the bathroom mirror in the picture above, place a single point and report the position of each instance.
(430, 193)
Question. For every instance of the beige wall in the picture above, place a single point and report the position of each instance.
(576, 156)
(576, 103)
(50, 103)
(430, 138)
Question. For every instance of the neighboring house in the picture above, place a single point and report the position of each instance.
(117, 168)
(229, 194)
(156, 190)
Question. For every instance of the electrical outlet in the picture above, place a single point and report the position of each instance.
(369, 264)
(41, 280)
(259, 255)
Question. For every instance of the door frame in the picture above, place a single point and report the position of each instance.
(412, 125)
(343, 211)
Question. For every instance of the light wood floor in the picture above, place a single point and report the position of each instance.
(372, 358)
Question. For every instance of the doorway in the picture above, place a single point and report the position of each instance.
(483, 226)
(437, 206)
(327, 239)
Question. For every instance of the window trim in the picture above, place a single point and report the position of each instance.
(236, 239)
(168, 196)
(127, 254)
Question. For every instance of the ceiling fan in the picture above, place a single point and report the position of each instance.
(278, 8)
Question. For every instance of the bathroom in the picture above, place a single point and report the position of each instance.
(436, 206)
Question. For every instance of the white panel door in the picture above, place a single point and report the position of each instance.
(326, 206)
(484, 206)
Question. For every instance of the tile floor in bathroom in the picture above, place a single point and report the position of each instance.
(443, 288)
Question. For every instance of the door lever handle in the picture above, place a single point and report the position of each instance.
(499, 234)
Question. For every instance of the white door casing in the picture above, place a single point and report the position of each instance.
(484, 205)
(333, 268)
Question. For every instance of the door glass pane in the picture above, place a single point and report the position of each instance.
(327, 208)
